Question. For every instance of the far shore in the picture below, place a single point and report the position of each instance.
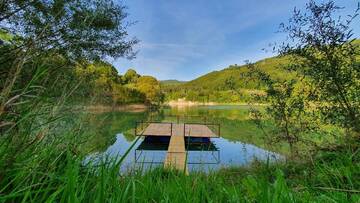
(99, 108)
(184, 103)
(109, 108)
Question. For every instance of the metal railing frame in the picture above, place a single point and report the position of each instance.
(150, 122)
(203, 118)
(207, 124)
(171, 126)
(216, 157)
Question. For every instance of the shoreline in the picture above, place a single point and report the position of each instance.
(100, 108)
(109, 108)
(192, 103)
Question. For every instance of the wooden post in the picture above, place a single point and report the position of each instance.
(184, 129)
(171, 129)
(219, 130)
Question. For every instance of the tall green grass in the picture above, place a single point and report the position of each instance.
(62, 176)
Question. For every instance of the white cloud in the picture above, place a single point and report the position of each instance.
(184, 39)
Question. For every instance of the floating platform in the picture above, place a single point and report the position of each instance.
(187, 130)
(176, 152)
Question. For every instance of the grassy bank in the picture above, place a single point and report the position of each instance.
(330, 176)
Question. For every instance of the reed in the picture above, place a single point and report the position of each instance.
(52, 175)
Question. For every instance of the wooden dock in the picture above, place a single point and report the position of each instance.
(176, 153)
(188, 130)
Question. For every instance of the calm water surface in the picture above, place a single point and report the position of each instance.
(112, 134)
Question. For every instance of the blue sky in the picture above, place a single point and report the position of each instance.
(184, 39)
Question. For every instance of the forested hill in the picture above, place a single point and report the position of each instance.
(171, 82)
(218, 80)
(219, 86)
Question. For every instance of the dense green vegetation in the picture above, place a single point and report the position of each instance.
(171, 82)
(52, 58)
(32, 59)
(101, 82)
(232, 84)
(91, 83)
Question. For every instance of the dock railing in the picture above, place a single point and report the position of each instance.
(182, 118)
(140, 127)
(214, 127)
(200, 129)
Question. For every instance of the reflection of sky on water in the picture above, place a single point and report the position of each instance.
(229, 153)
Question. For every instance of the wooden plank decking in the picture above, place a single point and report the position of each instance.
(176, 154)
(157, 129)
(198, 130)
(191, 130)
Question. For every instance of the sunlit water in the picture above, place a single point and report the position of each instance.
(239, 145)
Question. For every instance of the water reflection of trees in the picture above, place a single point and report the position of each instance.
(101, 129)
(236, 125)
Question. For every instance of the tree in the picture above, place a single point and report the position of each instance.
(287, 108)
(74, 30)
(95, 82)
(130, 76)
(124, 95)
(322, 55)
(322, 50)
(151, 88)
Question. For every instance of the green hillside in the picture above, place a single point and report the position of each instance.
(171, 82)
(218, 86)
(229, 85)
(217, 80)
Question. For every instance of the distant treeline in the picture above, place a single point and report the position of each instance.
(101, 83)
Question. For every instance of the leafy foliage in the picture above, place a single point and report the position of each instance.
(74, 29)
(102, 83)
(45, 40)
(151, 88)
(324, 60)
(287, 109)
(323, 50)
(130, 76)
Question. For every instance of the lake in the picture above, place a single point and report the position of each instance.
(111, 134)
